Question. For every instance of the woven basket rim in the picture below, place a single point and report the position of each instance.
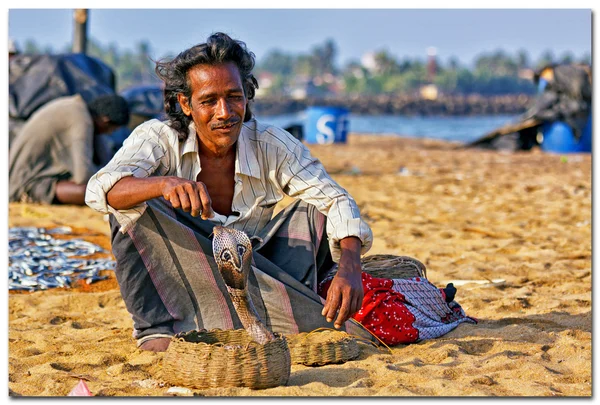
(180, 338)
(245, 363)
(339, 347)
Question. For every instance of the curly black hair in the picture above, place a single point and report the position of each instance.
(112, 106)
(219, 48)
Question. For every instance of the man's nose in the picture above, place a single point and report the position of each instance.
(223, 110)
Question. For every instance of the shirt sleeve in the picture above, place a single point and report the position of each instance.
(303, 176)
(143, 154)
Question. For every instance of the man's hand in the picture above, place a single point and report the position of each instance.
(190, 196)
(345, 292)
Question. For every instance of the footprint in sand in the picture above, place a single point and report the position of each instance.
(30, 352)
(58, 320)
(61, 366)
(475, 347)
(484, 380)
(82, 325)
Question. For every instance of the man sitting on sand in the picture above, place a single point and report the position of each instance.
(51, 158)
(213, 164)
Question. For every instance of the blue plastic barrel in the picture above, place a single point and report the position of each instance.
(559, 138)
(326, 125)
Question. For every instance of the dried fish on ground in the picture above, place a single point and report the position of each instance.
(38, 261)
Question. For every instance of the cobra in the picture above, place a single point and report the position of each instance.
(232, 251)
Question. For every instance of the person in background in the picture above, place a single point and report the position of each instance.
(12, 48)
(52, 158)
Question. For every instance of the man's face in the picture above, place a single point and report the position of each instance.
(217, 104)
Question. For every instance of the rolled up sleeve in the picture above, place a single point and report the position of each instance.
(304, 177)
(142, 154)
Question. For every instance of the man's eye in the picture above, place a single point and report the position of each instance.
(207, 102)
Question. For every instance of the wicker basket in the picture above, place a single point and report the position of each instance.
(390, 266)
(226, 358)
(322, 346)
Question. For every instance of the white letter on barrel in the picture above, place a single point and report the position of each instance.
(325, 134)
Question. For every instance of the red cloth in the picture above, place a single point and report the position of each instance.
(383, 311)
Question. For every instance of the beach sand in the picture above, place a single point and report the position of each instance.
(512, 230)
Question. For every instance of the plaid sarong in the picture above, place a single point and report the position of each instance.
(170, 282)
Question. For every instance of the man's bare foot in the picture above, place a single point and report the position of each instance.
(156, 345)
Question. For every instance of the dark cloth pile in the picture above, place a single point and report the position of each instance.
(567, 98)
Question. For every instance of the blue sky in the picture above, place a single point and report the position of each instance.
(464, 33)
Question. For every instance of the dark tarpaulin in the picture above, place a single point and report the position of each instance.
(145, 100)
(568, 98)
(35, 80)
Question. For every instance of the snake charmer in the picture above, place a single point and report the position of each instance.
(211, 163)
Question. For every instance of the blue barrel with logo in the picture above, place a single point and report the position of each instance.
(559, 138)
(326, 125)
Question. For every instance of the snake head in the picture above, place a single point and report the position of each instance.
(232, 251)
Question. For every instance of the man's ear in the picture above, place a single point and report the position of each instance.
(101, 122)
(184, 103)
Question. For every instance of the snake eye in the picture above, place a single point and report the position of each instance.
(241, 249)
(226, 255)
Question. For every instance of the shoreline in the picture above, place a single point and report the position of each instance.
(443, 105)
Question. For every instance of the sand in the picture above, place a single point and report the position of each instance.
(512, 230)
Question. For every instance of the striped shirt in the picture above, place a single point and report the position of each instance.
(269, 164)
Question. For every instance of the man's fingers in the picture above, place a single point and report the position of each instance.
(174, 199)
(327, 303)
(207, 211)
(195, 202)
(356, 305)
(325, 307)
(184, 200)
(344, 312)
(334, 304)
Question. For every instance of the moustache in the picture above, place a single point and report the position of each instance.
(224, 124)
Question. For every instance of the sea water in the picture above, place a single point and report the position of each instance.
(461, 128)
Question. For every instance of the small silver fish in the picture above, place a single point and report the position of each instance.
(38, 261)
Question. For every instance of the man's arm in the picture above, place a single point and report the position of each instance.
(304, 177)
(139, 172)
(345, 292)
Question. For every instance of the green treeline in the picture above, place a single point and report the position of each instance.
(317, 73)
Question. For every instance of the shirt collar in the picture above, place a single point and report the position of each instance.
(191, 142)
(246, 161)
